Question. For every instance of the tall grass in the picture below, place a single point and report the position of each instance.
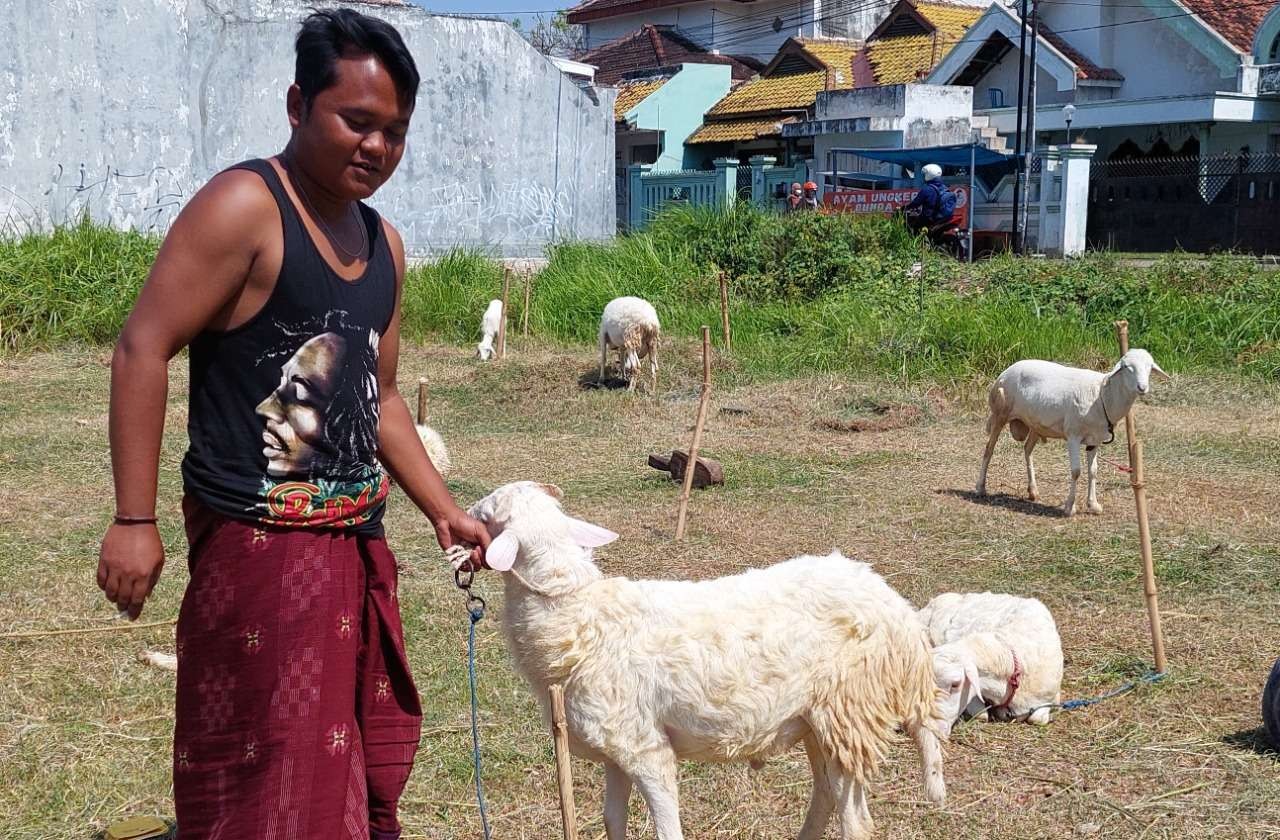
(810, 293)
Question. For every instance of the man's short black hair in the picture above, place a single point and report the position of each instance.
(331, 34)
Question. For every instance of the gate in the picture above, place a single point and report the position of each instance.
(1200, 204)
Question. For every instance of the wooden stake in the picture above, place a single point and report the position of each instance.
(724, 312)
(502, 325)
(564, 773)
(422, 402)
(524, 314)
(1137, 480)
(697, 433)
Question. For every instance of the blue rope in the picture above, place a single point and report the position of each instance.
(476, 610)
(1071, 705)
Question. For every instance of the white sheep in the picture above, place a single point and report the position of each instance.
(1040, 400)
(630, 324)
(489, 325)
(815, 649)
(995, 654)
(436, 450)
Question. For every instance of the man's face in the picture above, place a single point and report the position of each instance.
(294, 413)
(352, 135)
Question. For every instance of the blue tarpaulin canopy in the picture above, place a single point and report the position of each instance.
(954, 156)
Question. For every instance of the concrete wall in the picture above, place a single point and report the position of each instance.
(126, 113)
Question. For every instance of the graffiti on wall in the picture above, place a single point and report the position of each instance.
(146, 200)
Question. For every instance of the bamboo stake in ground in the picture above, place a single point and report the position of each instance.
(422, 402)
(724, 312)
(1138, 481)
(524, 313)
(697, 433)
(564, 774)
(502, 324)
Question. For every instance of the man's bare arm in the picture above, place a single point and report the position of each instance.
(401, 450)
(196, 280)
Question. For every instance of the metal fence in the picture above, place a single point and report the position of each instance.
(1211, 203)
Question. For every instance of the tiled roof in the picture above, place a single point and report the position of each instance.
(1237, 22)
(737, 131)
(794, 90)
(902, 59)
(632, 92)
(1085, 69)
(651, 47)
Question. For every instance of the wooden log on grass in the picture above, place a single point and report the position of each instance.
(564, 773)
(697, 432)
(422, 401)
(1137, 480)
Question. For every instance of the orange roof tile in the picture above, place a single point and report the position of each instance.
(632, 93)
(737, 131)
(903, 59)
(795, 90)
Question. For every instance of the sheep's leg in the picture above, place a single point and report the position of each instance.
(1073, 449)
(1033, 492)
(995, 426)
(653, 367)
(930, 750)
(604, 354)
(656, 781)
(617, 792)
(850, 802)
(1092, 457)
(820, 802)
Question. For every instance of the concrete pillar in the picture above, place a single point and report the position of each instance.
(726, 181)
(1047, 235)
(635, 195)
(759, 163)
(1075, 162)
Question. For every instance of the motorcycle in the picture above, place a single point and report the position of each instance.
(949, 237)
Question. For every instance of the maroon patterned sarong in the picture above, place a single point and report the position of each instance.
(297, 718)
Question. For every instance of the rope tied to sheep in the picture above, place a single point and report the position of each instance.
(1072, 705)
(463, 578)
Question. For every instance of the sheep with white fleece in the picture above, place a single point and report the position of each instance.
(489, 324)
(436, 450)
(997, 654)
(1040, 400)
(741, 668)
(630, 324)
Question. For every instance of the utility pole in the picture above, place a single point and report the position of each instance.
(1017, 143)
(1029, 142)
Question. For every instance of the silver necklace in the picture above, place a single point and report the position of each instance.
(364, 237)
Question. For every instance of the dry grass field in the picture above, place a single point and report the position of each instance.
(85, 731)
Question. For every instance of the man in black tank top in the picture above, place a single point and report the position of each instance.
(296, 716)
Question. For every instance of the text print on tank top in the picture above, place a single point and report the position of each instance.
(285, 408)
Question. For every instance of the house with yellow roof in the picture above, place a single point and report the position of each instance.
(749, 120)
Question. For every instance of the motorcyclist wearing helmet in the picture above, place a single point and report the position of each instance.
(810, 201)
(934, 206)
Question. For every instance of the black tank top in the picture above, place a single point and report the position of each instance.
(283, 417)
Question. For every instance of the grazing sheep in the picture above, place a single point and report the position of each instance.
(489, 324)
(997, 654)
(436, 450)
(815, 649)
(631, 325)
(1040, 400)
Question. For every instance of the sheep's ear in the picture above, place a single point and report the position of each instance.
(589, 536)
(501, 553)
(552, 491)
(1155, 368)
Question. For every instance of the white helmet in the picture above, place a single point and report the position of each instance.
(932, 172)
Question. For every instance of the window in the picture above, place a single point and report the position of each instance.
(645, 153)
(997, 97)
(1274, 54)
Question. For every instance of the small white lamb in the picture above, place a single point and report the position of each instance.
(996, 654)
(630, 324)
(815, 649)
(436, 450)
(1041, 400)
(489, 325)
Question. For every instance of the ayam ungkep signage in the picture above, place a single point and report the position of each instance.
(887, 202)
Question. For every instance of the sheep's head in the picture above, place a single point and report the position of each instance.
(1137, 366)
(484, 350)
(956, 675)
(527, 513)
